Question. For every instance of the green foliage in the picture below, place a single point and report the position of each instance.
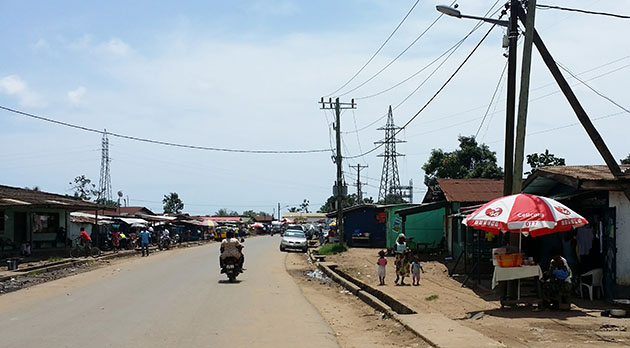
(226, 212)
(107, 202)
(347, 201)
(304, 206)
(250, 213)
(172, 203)
(54, 259)
(83, 188)
(471, 160)
(432, 298)
(626, 160)
(332, 248)
(543, 159)
(392, 199)
(293, 210)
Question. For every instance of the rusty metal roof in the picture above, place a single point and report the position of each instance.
(19, 197)
(471, 190)
(590, 172)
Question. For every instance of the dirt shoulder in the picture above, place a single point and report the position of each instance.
(355, 324)
(517, 327)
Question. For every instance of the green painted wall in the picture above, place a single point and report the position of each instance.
(9, 223)
(425, 227)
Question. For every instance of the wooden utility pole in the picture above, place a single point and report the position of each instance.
(340, 188)
(359, 184)
(519, 149)
(581, 114)
(508, 161)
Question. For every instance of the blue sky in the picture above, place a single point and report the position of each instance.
(248, 74)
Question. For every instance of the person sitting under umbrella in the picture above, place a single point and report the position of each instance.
(556, 288)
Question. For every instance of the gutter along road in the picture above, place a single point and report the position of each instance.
(169, 299)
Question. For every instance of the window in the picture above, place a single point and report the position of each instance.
(45, 222)
(2, 220)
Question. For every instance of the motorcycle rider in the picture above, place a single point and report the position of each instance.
(231, 247)
(166, 237)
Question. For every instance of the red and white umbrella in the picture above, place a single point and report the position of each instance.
(524, 213)
(258, 225)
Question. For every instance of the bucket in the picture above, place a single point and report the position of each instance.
(12, 265)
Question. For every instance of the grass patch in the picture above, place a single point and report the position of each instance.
(54, 259)
(34, 273)
(432, 298)
(332, 248)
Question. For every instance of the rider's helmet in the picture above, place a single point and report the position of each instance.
(229, 234)
(151, 229)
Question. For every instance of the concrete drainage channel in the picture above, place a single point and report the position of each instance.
(375, 298)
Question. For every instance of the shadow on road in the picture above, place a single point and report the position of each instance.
(227, 281)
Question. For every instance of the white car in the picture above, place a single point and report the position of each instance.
(293, 239)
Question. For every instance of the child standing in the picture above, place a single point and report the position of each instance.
(416, 268)
(382, 262)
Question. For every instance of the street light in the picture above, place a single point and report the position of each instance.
(453, 12)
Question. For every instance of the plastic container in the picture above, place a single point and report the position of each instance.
(12, 265)
(509, 260)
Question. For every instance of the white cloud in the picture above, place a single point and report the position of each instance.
(75, 97)
(41, 44)
(116, 46)
(13, 85)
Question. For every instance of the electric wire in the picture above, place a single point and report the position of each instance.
(494, 94)
(377, 51)
(398, 56)
(456, 46)
(434, 95)
(159, 142)
(452, 50)
(552, 7)
(592, 89)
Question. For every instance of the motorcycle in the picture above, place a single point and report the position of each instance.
(232, 268)
(165, 243)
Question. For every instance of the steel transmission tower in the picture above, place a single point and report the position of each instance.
(390, 181)
(105, 181)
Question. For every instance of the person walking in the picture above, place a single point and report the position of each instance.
(416, 268)
(144, 240)
(116, 241)
(402, 262)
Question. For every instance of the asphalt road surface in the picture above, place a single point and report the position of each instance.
(169, 299)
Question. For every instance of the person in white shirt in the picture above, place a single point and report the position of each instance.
(231, 247)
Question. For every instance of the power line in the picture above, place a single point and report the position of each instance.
(159, 142)
(494, 94)
(434, 95)
(551, 7)
(452, 50)
(377, 51)
(395, 58)
(593, 89)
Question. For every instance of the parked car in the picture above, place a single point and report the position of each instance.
(293, 239)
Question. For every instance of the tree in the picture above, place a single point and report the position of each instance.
(249, 213)
(172, 203)
(263, 213)
(626, 160)
(471, 160)
(392, 199)
(83, 188)
(304, 206)
(293, 210)
(226, 212)
(347, 201)
(543, 159)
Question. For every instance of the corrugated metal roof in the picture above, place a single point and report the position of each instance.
(15, 196)
(590, 172)
(471, 190)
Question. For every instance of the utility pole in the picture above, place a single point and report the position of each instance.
(581, 114)
(278, 210)
(511, 99)
(338, 190)
(358, 168)
(519, 149)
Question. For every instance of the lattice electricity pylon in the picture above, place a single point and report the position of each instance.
(105, 181)
(390, 181)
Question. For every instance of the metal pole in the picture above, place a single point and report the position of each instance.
(508, 162)
(519, 150)
(338, 161)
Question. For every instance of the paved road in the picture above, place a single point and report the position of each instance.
(170, 299)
